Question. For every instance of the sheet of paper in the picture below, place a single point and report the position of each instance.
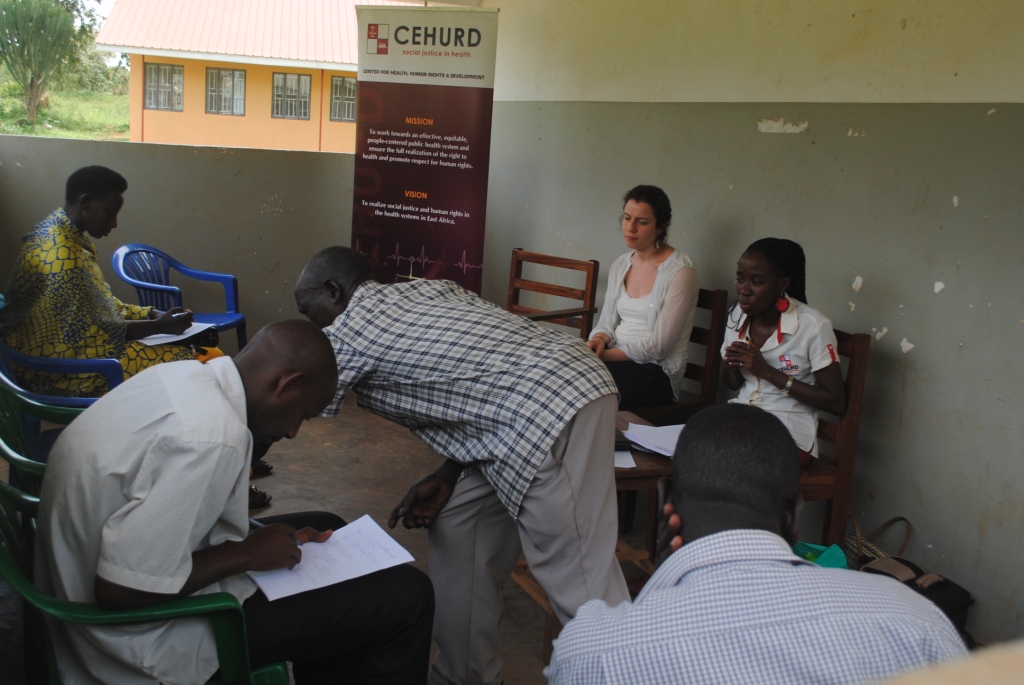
(624, 460)
(358, 549)
(166, 338)
(660, 439)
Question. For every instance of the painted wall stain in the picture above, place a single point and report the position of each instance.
(857, 132)
(781, 126)
(956, 200)
(992, 111)
(853, 305)
(880, 333)
(939, 285)
(857, 283)
(906, 345)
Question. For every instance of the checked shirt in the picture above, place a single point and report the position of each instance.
(478, 384)
(739, 607)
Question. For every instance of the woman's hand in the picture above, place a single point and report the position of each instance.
(174, 321)
(598, 343)
(743, 355)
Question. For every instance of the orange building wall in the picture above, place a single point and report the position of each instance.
(255, 129)
(338, 136)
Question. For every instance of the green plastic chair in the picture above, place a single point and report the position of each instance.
(15, 437)
(18, 511)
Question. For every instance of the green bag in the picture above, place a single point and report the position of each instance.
(828, 557)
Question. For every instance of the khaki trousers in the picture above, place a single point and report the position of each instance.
(567, 529)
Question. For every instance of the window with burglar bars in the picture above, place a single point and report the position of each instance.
(291, 96)
(225, 91)
(343, 98)
(165, 87)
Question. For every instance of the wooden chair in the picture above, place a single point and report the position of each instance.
(581, 317)
(705, 373)
(829, 478)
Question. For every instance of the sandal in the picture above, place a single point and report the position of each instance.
(261, 468)
(258, 498)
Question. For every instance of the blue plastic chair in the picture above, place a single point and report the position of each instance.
(149, 270)
(108, 368)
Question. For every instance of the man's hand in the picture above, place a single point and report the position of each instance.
(273, 547)
(424, 501)
(268, 548)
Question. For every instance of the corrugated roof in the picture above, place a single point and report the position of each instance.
(310, 32)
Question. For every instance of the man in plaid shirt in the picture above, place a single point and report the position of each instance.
(523, 414)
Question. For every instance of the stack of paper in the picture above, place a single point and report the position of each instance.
(660, 439)
(358, 549)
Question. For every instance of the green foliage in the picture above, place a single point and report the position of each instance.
(82, 114)
(83, 37)
(94, 74)
(35, 37)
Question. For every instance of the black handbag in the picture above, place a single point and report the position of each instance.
(950, 598)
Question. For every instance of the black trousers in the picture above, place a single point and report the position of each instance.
(372, 629)
(640, 384)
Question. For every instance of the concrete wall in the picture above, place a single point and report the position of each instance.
(759, 50)
(258, 214)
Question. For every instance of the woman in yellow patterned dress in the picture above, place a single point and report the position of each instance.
(59, 304)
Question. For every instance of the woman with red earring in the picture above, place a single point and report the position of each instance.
(778, 352)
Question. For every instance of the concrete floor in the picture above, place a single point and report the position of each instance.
(362, 464)
(353, 465)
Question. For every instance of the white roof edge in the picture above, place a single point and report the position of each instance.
(234, 59)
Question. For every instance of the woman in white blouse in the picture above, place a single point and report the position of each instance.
(643, 333)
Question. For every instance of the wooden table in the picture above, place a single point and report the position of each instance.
(650, 468)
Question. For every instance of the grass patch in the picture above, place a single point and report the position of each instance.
(82, 114)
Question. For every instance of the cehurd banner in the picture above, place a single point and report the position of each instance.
(423, 142)
(428, 46)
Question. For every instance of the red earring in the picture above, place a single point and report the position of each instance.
(782, 304)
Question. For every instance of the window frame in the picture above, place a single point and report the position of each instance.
(218, 73)
(341, 101)
(173, 90)
(286, 106)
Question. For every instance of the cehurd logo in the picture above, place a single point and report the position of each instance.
(377, 39)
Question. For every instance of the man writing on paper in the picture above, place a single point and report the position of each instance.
(524, 413)
(734, 604)
(145, 500)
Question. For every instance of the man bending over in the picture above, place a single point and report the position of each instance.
(734, 604)
(524, 413)
(145, 499)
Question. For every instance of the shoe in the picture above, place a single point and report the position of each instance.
(258, 498)
(261, 468)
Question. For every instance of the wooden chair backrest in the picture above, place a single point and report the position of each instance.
(711, 338)
(839, 437)
(580, 317)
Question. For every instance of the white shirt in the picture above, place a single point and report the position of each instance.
(152, 472)
(739, 607)
(632, 318)
(803, 343)
(670, 315)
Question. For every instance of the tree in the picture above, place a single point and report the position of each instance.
(35, 37)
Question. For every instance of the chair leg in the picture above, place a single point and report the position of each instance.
(826, 522)
(240, 332)
(839, 510)
(552, 627)
(627, 509)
